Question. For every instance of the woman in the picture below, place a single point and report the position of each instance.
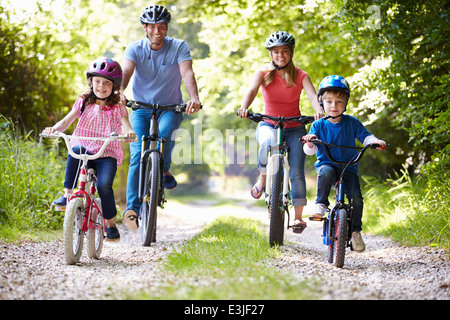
(281, 83)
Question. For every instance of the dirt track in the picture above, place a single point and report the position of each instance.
(35, 271)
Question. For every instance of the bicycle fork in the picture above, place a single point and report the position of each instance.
(269, 176)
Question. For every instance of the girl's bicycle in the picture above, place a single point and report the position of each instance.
(278, 191)
(84, 211)
(151, 188)
(337, 226)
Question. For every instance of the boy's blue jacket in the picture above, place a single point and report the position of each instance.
(342, 133)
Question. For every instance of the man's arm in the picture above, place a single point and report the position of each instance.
(127, 72)
(193, 105)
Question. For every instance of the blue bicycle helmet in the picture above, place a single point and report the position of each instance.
(334, 83)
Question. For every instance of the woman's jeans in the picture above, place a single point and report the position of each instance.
(168, 122)
(327, 175)
(266, 136)
(105, 169)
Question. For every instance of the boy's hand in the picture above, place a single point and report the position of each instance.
(381, 143)
(309, 137)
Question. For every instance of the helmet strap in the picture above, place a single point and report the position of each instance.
(278, 67)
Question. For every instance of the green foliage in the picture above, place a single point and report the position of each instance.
(409, 91)
(412, 212)
(29, 175)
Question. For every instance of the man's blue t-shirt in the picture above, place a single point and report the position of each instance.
(157, 77)
(342, 133)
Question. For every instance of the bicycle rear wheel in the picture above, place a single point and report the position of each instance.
(276, 211)
(336, 253)
(73, 233)
(150, 202)
(95, 235)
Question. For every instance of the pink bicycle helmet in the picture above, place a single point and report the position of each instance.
(106, 68)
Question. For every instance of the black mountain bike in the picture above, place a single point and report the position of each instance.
(151, 189)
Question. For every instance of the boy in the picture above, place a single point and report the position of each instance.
(338, 129)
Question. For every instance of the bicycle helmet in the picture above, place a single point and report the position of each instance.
(155, 14)
(106, 68)
(334, 83)
(280, 38)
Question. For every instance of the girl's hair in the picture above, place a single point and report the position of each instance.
(290, 75)
(90, 98)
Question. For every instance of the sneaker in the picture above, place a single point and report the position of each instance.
(319, 211)
(169, 182)
(60, 202)
(112, 234)
(131, 219)
(358, 242)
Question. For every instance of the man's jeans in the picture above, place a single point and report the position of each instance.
(105, 169)
(327, 175)
(168, 122)
(266, 136)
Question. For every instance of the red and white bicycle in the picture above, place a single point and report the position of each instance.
(84, 210)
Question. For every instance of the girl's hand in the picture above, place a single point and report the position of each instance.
(131, 134)
(48, 130)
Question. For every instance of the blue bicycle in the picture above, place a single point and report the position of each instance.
(337, 226)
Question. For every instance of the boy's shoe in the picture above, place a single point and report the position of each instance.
(319, 212)
(112, 234)
(169, 182)
(131, 219)
(358, 242)
(61, 202)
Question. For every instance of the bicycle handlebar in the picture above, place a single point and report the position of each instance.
(258, 117)
(135, 105)
(114, 137)
(354, 160)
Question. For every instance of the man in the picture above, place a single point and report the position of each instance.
(159, 64)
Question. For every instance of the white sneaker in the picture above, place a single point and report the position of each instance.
(358, 242)
(319, 211)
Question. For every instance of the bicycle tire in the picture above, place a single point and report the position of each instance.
(95, 235)
(73, 234)
(276, 233)
(340, 238)
(150, 202)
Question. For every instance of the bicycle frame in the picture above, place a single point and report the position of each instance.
(282, 151)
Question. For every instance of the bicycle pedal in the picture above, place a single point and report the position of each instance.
(316, 219)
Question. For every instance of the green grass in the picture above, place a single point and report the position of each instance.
(228, 260)
(30, 176)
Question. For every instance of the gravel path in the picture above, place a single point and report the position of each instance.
(36, 271)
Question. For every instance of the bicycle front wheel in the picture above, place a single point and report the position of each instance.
(73, 233)
(336, 254)
(150, 202)
(95, 235)
(276, 211)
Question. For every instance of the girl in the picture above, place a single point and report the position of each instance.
(281, 83)
(99, 114)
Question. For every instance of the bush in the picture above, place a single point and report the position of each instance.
(30, 177)
(413, 211)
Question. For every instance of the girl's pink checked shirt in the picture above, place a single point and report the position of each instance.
(97, 121)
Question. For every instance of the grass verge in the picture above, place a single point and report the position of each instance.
(229, 260)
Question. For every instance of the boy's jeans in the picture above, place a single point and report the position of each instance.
(105, 169)
(168, 122)
(266, 136)
(327, 175)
